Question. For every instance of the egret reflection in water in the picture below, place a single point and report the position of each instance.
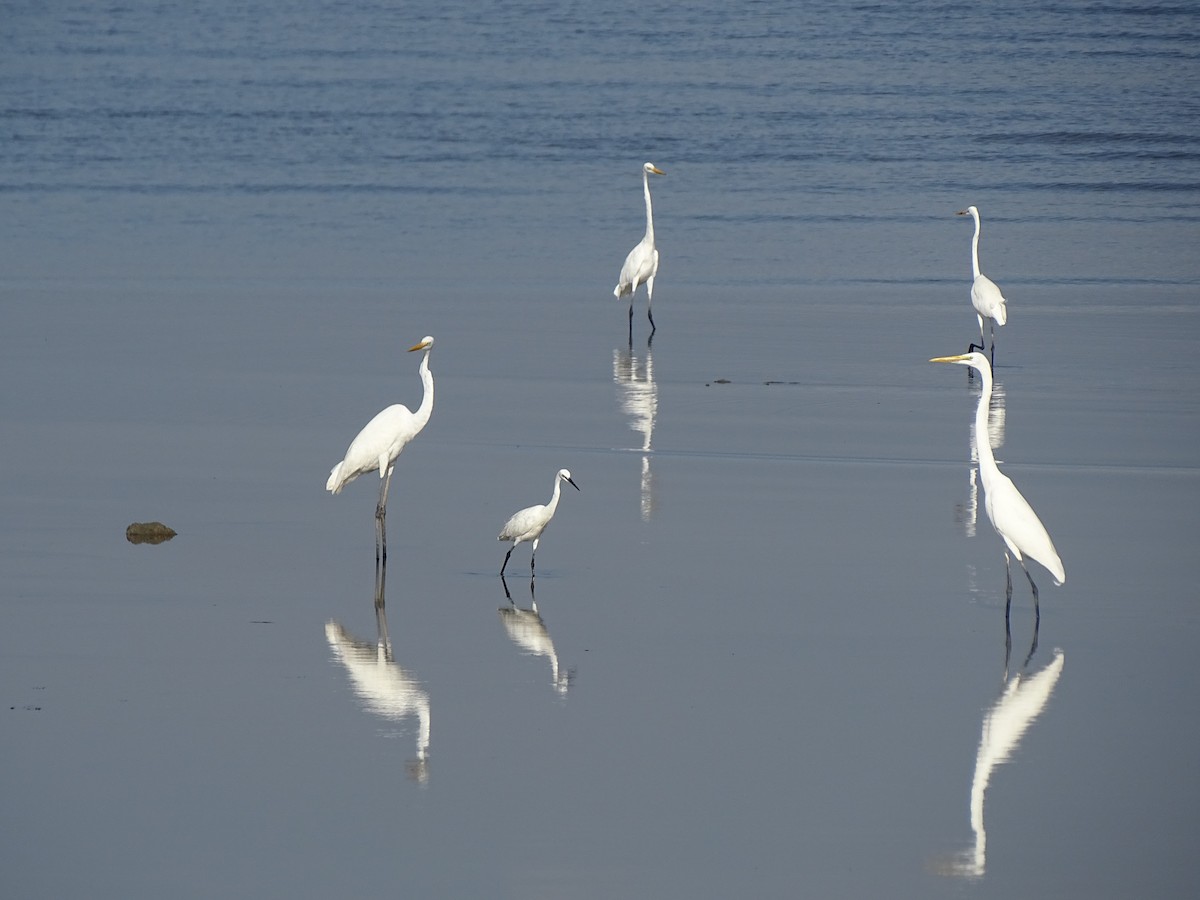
(1005, 722)
(385, 688)
(995, 430)
(638, 396)
(527, 630)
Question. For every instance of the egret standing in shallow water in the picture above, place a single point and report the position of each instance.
(379, 444)
(989, 303)
(529, 523)
(1011, 515)
(641, 265)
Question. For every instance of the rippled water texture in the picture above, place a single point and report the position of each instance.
(765, 652)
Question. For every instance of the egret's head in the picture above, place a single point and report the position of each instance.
(565, 475)
(974, 360)
(425, 344)
(969, 211)
(651, 169)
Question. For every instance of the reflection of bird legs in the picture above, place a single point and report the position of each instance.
(381, 628)
(1037, 616)
(508, 596)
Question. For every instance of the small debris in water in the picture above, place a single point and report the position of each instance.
(148, 533)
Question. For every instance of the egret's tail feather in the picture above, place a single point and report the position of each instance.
(617, 291)
(1001, 314)
(1060, 575)
(335, 481)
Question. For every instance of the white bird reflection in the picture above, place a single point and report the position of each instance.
(995, 429)
(527, 630)
(638, 395)
(1004, 724)
(385, 688)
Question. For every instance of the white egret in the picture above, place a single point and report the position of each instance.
(641, 265)
(379, 444)
(529, 523)
(1011, 515)
(989, 303)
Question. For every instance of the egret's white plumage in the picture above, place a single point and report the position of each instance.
(529, 523)
(1010, 513)
(379, 443)
(989, 303)
(641, 265)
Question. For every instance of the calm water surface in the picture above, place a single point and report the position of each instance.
(765, 652)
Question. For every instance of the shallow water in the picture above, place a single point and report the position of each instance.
(769, 655)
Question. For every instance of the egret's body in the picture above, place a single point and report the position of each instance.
(529, 523)
(1010, 513)
(383, 438)
(641, 265)
(989, 303)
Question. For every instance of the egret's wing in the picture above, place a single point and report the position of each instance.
(988, 301)
(523, 523)
(1013, 517)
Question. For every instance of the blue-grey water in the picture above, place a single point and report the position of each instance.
(768, 652)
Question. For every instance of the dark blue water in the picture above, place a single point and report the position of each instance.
(768, 652)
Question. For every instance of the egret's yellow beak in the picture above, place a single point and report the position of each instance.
(657, 171)
(420, 346)
(959, 358)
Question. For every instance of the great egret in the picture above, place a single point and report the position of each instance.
(529, 523)
(379, 444)
(989, 303)
(1011, 515)
(641, 265)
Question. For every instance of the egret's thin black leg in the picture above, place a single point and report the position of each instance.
(1037, 624)
(1032, 587)
(506, 556)
(1007, 634)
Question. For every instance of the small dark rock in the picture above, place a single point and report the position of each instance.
(148, 533)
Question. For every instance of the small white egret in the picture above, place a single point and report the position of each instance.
(529, 523)
(641, 265)
(1011, 515)
(379, 444)
(989, 303)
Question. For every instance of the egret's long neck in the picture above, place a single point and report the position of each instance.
(975, 248)
(426, 408)
(553, 504)
(983, 445)
(649, 208)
